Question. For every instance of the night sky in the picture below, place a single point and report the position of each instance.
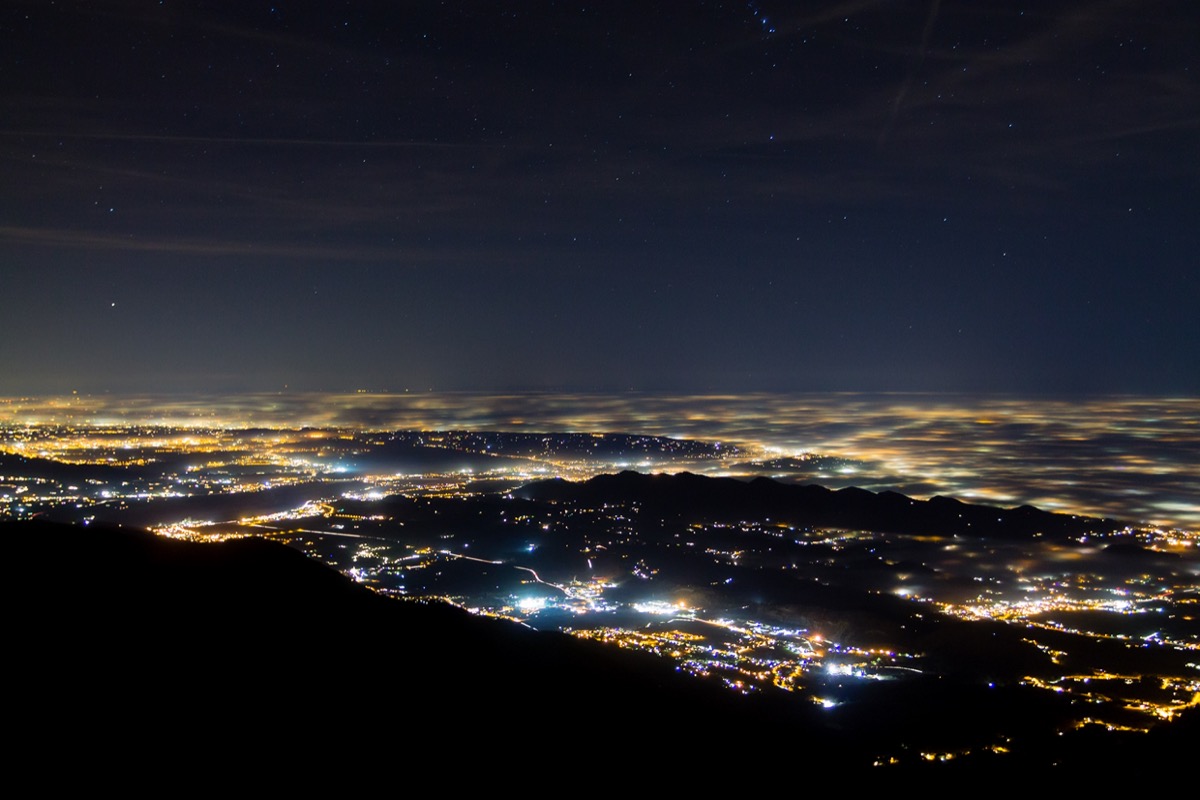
(964, 195)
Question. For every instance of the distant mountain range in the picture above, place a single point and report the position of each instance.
(696, 497)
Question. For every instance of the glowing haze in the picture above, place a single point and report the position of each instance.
(1132, 458)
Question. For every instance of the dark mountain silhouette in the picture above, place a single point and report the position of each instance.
(696, 497)
(570, 445)
(133, 653)
(251, 644)
(27, 467)
(409, 456)
(146, 513)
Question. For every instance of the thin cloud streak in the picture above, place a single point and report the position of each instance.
(66, 238)
(348, 143)
(912, 71)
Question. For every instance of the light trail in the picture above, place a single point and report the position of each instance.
(538, 578)
(470, 558)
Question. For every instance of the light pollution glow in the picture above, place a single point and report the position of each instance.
(1132, 458)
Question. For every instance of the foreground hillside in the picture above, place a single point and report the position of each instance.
(251, 643)
(124, 644)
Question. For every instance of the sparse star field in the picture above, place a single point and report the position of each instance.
(688, 197)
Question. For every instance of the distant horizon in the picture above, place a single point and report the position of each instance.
(1121, 456)
(1041, 394)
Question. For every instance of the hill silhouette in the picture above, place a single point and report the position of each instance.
(129, 649)
(249, 644)
(695, 497)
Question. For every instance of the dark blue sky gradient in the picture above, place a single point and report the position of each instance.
(658, 196)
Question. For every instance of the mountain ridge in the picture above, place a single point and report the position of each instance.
(689, 495)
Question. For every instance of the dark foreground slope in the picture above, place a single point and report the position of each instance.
(120, 640)
(128, 656)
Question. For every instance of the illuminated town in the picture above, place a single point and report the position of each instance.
(1105, 618)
